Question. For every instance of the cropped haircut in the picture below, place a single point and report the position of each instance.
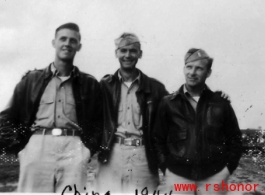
(71, 26)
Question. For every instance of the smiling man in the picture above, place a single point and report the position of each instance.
(131, 98)
(54, 120)
(197, 137)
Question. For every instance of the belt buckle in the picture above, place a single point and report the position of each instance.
(57, 132)
(127, 142)
(137, 142)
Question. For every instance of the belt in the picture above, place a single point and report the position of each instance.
(56, 131)
(129, 141)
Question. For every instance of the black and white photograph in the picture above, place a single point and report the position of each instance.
(132, 97)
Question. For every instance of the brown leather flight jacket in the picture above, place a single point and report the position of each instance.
(18, 117)
(198, 144)
(148, 95)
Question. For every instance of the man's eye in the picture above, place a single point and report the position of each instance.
(123, 50)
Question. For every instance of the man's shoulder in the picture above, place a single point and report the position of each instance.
(170, 96)
(87, 76)
(107, 78)
(217, 98)
(156, 82)
(33, 73)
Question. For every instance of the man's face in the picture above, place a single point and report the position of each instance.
(66, 44)
(129, 55)
(196, 73)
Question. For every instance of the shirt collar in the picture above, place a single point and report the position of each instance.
(55, 71)
(181, 92)
(185, 90)
(188, 95)
(138, 78)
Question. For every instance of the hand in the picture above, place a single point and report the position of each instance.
(103, 156)
(163, 168)
(224, 95)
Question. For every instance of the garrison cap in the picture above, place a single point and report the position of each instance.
(195, 54)
(126, 39)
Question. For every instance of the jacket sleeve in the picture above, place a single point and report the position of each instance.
(96, 122)
(12, 132)
(104, 149)
(233, 139)
(160, 135)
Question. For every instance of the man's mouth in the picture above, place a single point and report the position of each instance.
(67, 50)
(127, 61)
(192, 79)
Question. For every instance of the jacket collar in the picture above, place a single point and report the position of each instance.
(144, 81)
(75, 72)
(180, 92)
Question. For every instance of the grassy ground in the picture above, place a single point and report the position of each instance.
(251, 169)
(9, 170)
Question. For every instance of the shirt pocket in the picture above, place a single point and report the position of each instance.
(46, 107)
(70, 106)
(215, 115)
(120, 114)
(136, 114)
(178, 142)
(47, 99)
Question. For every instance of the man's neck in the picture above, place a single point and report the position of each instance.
(129, 75)
(63, 67)
(195, 91)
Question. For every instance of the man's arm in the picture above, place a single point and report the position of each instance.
(11, 130)
(104, 150)
(98, 116)
(160, 135)
(96, 121)
(233, 139)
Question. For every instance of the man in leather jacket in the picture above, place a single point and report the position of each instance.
(54, 120)
(131, 98)
(197, 137)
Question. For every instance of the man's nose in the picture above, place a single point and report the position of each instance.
(192, 71)
(67, 42)
(128, 54)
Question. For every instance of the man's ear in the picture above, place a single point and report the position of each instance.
(140, 54)
(116, 53)
(209, 73)
(53, 43)
(79, 47)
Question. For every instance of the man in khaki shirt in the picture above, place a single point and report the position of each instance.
(54, 120)
(130, 100)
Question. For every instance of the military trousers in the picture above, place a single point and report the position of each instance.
(51, 163)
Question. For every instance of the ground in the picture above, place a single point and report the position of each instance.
(251, 169)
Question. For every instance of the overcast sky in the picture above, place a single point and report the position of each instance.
(232, 32)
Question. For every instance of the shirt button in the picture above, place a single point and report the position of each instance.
(59, 100)
(59, 116)
(128, 123)
(128, 108)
